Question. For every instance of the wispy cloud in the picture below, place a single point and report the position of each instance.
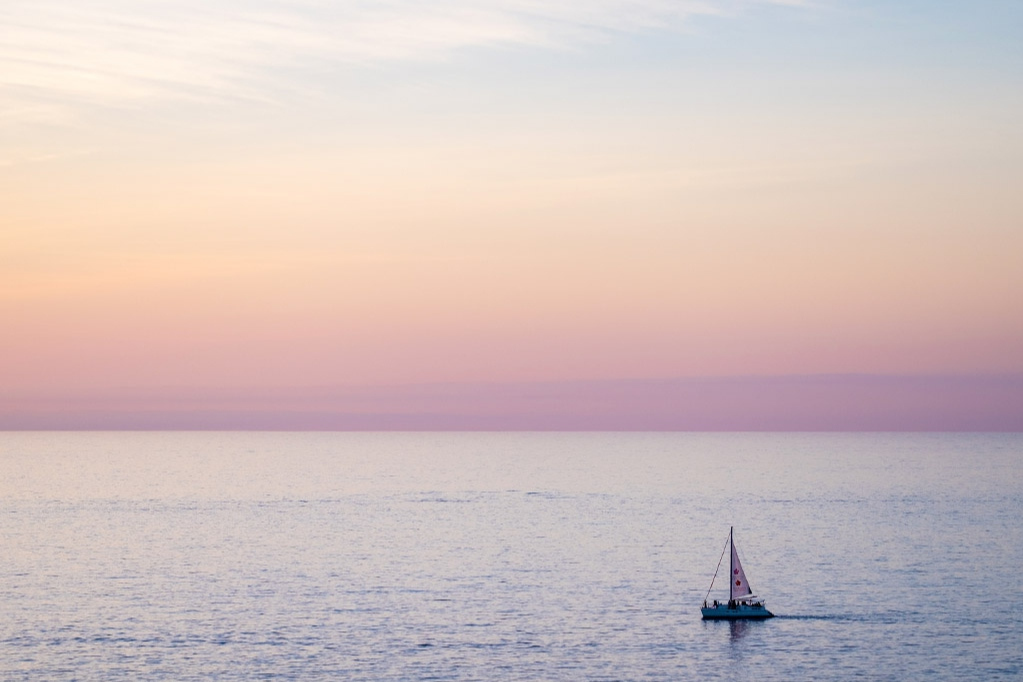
(125, 52)
(828, 402)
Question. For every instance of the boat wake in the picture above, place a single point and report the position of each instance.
(840, 618)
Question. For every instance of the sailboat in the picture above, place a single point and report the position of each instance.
(742, 603)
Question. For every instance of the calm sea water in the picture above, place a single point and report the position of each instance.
(239, 556)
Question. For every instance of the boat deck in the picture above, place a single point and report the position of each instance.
(735, 611)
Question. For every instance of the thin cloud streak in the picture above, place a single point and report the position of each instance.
(740, 403)
(123, 53)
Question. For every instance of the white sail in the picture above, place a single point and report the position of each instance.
(739, 587)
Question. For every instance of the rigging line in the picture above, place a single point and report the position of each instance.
(720, 559)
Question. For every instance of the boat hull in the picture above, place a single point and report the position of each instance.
(736, 612)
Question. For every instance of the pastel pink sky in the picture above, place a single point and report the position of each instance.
(484, 195)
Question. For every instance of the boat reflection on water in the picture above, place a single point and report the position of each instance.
(739, 628)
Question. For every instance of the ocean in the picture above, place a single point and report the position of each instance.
(507, 556)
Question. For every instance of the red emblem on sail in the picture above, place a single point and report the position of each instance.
(738, 582)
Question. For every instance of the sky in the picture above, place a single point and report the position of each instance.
(511, 214)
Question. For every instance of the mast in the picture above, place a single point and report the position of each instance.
(731, 561)
(731, 546)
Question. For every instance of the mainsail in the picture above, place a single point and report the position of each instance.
(739, 587)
